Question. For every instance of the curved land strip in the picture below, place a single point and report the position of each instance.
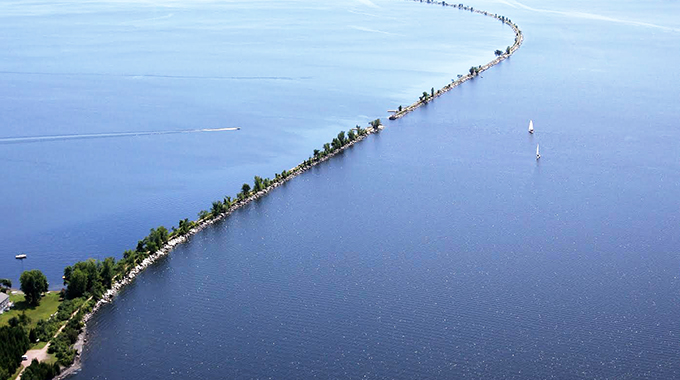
(222, 210)
(474, 71)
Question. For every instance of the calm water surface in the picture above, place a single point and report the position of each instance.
(441, 248)
(291, 74)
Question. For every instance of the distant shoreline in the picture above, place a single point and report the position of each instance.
(280, 180)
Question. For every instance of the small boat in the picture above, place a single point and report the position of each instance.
(531, 126)
(20, 257)
(538, 155)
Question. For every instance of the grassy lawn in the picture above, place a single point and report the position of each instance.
(51, 359)
(48, 306)
(38, 346)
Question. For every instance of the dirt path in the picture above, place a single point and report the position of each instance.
(41, 354)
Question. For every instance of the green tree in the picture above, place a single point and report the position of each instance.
(507, 50)
(128, 254)
(432, 92)
(67, 274)
(258, 184)
(24, 319)
(216, 208)
(33, 284)
(336, 143)
(107, 272)
(155, 241)
(245, 189)
(5, 283)
(341, 138)
(40, 371)
(20, 320)
(14, 322)
(13, 344)
(77, 285)
(185, 225)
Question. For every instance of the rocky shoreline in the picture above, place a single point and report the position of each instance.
(110, 294)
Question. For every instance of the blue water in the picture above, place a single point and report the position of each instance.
(440, 248)
(290, 74)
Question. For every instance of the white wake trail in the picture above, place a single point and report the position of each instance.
(29, 139)
(586, 15)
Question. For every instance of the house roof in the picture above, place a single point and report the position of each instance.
(3, 297)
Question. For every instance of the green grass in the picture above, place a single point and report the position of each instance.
(48, 306)
(51, 359)
(16, 373)
(38, 346)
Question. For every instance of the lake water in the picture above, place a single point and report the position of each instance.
(290, 74)
(439, 248)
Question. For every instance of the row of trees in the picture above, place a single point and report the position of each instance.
(260, 184)
(153, 242)
(474, 70)
(61, 344)
(16, 338)
(91, 278)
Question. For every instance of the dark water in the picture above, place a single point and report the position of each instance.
(291, 74)
(441, 248)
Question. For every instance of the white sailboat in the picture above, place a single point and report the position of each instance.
(538, 155)
(531, 126)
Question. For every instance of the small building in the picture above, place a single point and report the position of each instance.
(4, 302)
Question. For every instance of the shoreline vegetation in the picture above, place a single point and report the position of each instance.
(91, 284)
(474, 70)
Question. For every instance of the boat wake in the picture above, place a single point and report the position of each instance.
(587, 15)
(32, 139)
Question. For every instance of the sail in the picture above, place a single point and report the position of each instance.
(531, 126)
(537, 155)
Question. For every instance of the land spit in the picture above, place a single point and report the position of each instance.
(519, 38)
(110, 294)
